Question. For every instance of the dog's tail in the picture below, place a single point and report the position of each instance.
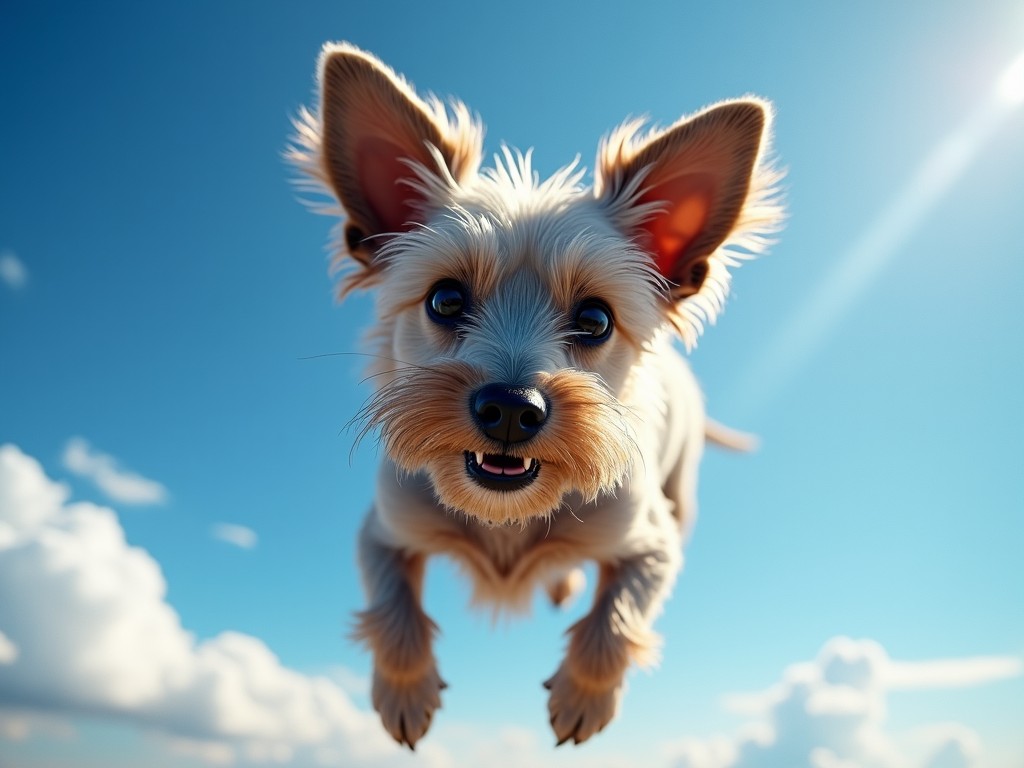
(722, 436)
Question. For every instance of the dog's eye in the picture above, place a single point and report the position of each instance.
(446, 302)
(593, 320)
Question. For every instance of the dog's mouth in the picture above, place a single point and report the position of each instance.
(500, 471)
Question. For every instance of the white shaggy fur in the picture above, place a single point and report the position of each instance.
(566, 298)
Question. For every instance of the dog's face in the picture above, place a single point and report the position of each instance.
(514, 315)
(514, 322)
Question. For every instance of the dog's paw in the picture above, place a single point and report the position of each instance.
(578, 708)
(406, 704)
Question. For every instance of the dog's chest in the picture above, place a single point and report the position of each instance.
(505, 547)
(507, 562)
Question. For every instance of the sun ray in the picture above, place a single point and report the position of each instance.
(813, 321)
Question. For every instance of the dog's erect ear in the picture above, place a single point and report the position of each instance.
(685, 193)
(379, 148)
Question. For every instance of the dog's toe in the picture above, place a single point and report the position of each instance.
(578, 711)
(407, 707)
(402, 738)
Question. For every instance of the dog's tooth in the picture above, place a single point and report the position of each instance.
(527, 463)
(479, 458)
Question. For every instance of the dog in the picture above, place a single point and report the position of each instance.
(532, 406)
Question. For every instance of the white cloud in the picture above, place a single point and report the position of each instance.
(12, 270)
(8, 650)
(238, 535)
(351, 682)
(14, 728)
(18, 725)
(212, 753)
(507, 746)
(949, 745)
(118, 484)
(88, 615)
(951, 673)
(93, 635)
(830, 713)
(701, 753)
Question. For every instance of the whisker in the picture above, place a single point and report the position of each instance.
(370, 355)
(392, 371)
(329, 354)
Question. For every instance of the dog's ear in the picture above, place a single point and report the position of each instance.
(379, 148)
(685, 193)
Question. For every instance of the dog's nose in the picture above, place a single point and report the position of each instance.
(509, 414)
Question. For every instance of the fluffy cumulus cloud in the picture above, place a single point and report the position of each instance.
(510, 746)
(86, 630)
(12, 271)
(830, 713)
(949, 745)
(103, 470)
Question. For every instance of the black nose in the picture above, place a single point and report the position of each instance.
(509, 414)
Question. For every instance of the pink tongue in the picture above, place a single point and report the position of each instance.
(495, 470)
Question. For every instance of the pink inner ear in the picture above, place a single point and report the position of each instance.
(687, 202)
(382, 176)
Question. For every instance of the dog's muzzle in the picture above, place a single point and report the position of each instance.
(508, 415)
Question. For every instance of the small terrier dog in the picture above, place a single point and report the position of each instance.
(533, 410)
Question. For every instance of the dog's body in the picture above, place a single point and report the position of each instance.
(533, 409)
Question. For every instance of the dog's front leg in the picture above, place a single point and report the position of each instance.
(586, 689)
(406, 684)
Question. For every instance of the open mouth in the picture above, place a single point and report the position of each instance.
(501, 472)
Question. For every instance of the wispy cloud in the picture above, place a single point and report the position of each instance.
(12, 270)
(238, 535)
(951, 673)
(102, 469)
(8, 650)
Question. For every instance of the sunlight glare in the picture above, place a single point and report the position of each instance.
(1010, 88)
(810, 324)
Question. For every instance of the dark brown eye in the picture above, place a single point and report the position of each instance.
(446, 302)
(593, 321)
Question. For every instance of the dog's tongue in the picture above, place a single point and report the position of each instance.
(502, 464)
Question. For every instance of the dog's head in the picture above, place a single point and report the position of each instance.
(513, 313)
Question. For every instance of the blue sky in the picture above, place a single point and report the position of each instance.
(161, 287)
